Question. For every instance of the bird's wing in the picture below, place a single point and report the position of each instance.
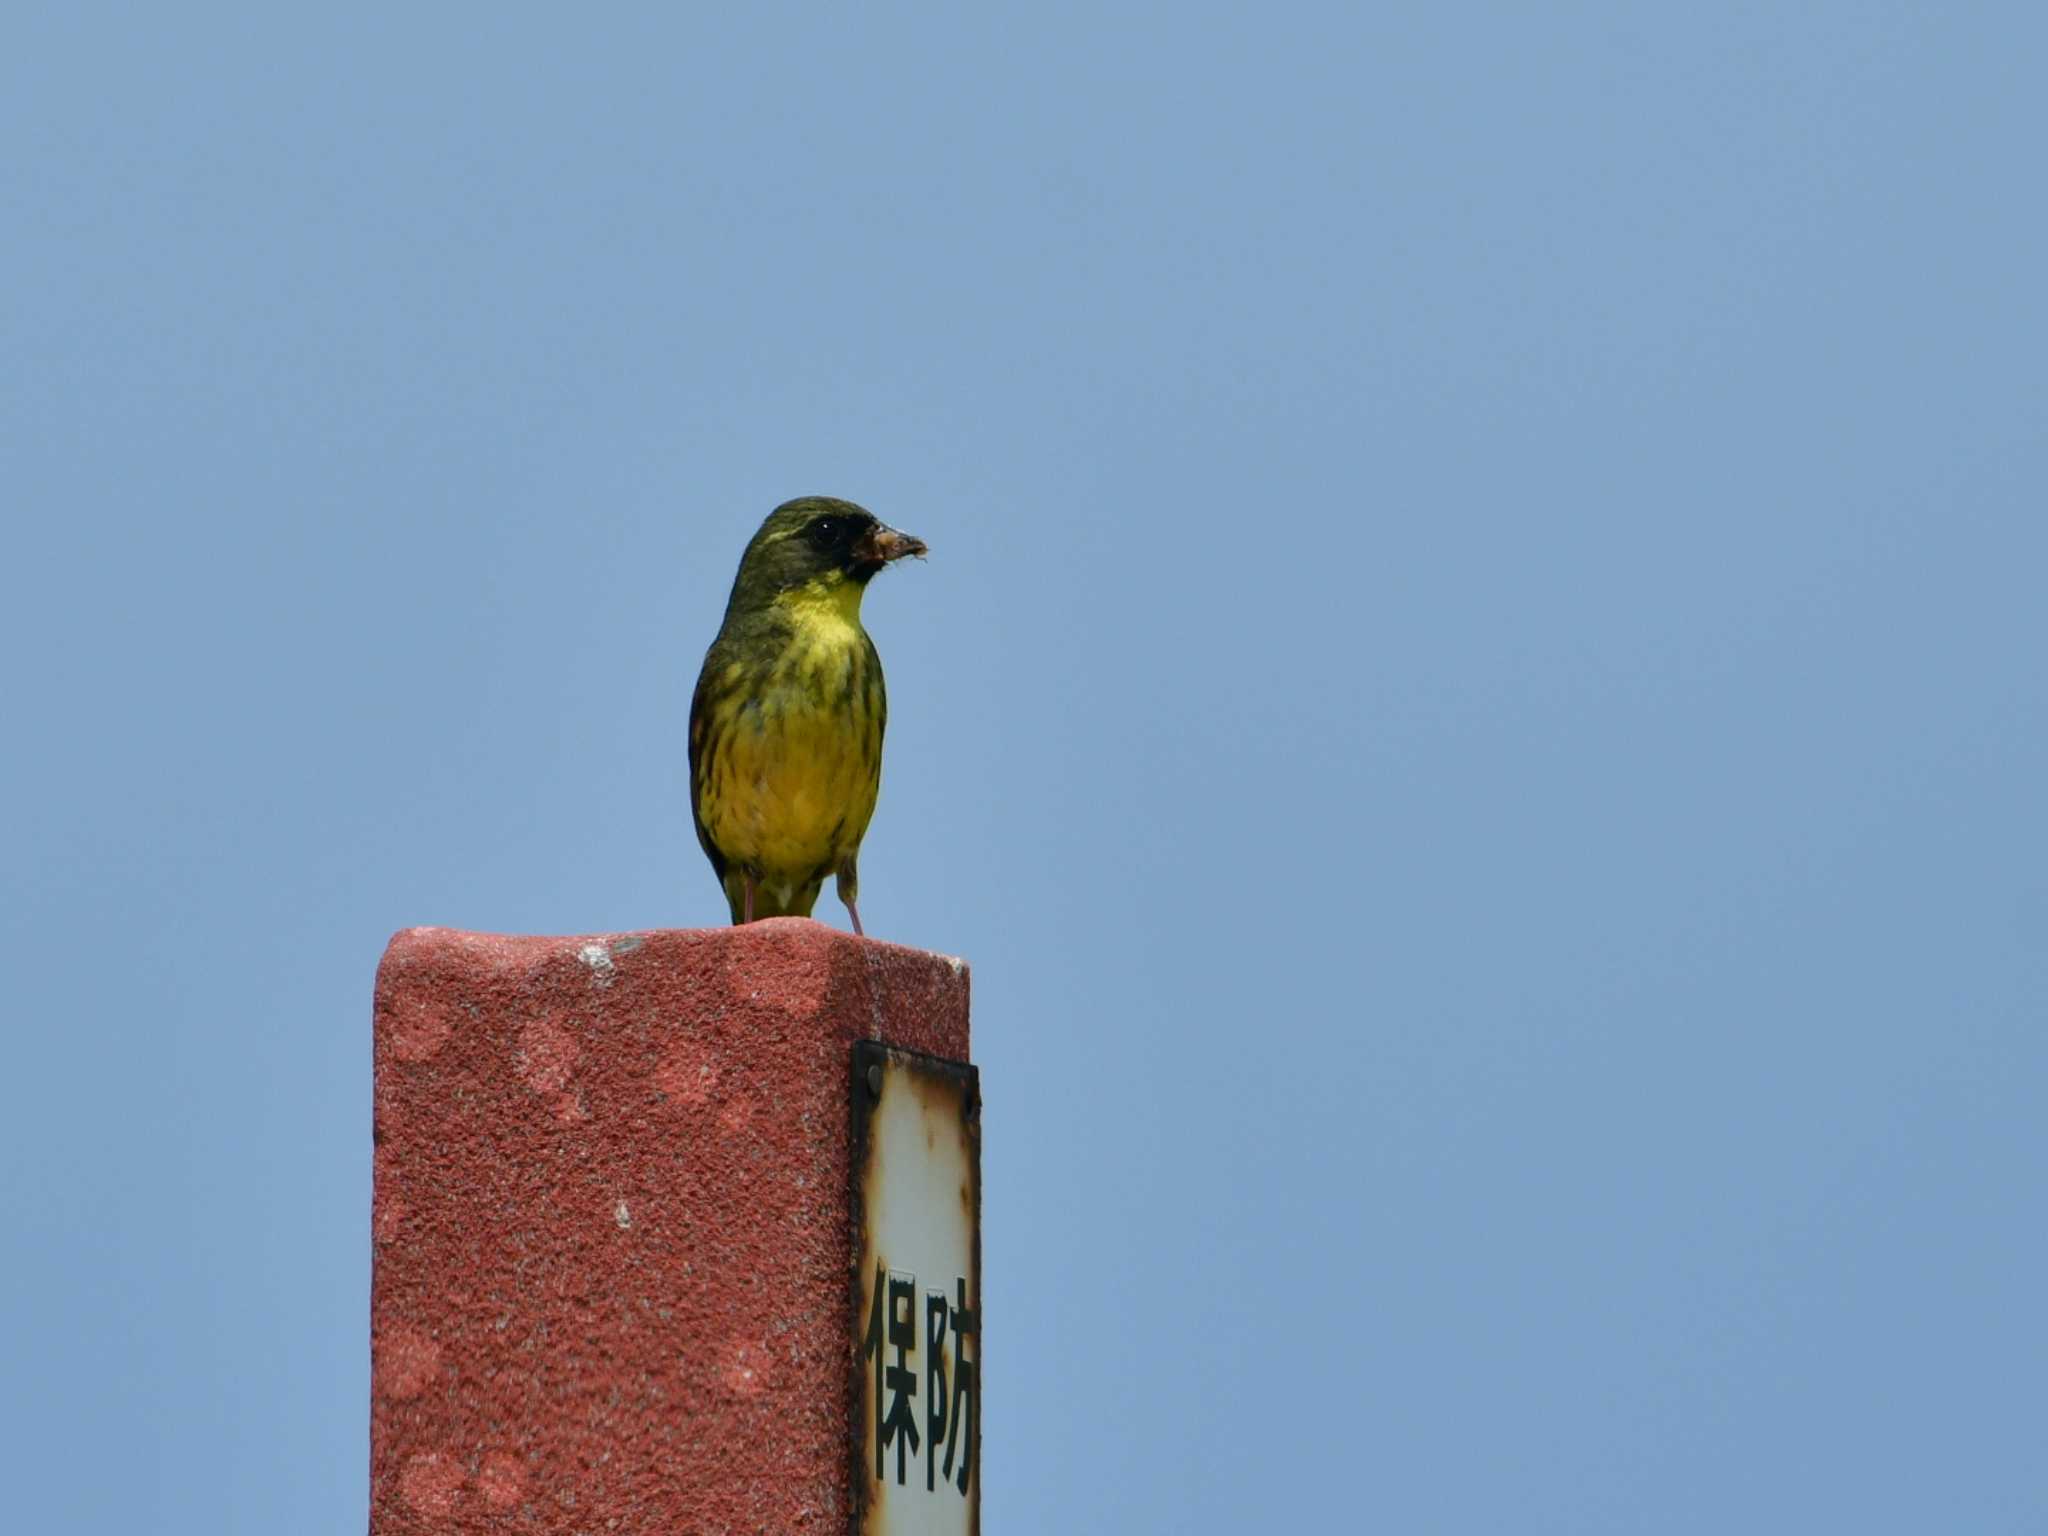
(703, 744)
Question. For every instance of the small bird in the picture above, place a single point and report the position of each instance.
(786, 724)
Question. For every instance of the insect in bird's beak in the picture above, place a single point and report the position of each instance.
(881, 544)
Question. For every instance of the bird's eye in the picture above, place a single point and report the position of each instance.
(825, 532)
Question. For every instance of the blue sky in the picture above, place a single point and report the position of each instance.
(1477, 706)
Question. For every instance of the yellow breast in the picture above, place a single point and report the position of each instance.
(798, 764)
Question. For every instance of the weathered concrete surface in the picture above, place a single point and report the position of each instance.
(610, 1223)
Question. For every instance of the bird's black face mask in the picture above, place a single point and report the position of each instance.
(817, 541)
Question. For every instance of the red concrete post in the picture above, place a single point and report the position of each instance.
(611, 1224)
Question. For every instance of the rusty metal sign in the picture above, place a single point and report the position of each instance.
(916, 1417)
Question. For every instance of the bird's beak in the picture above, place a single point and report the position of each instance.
(881, 544)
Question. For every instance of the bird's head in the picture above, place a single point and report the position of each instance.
(819, 547)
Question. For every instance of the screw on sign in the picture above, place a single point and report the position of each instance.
(949, 1422)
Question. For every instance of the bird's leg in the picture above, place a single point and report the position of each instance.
(749, 879)
(849, 890)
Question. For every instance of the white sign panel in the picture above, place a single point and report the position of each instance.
(917, 1294)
